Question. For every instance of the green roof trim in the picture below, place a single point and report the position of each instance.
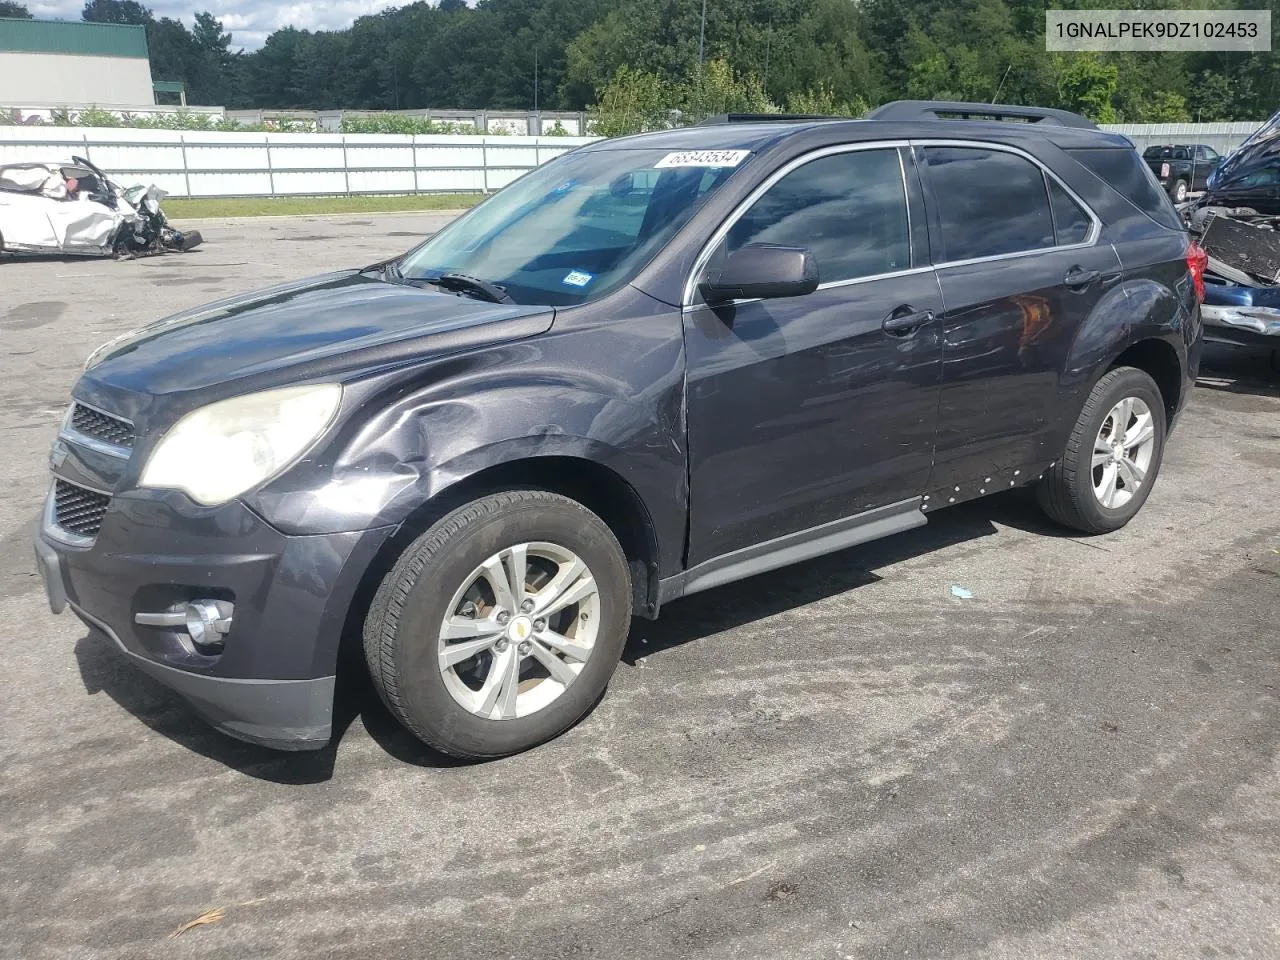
(72, 38)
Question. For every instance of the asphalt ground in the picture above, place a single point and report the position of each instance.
(841, 759)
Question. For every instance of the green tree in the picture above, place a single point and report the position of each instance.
(14, 11)
(632, 102)
(716, 89)
(1087, 84)
(115, 11)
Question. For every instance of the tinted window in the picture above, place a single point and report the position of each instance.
(1071, 223)
(990, 202)
(849, 210)
(1124, 170)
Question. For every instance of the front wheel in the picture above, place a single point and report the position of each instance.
(500, 626)
(1112, 457)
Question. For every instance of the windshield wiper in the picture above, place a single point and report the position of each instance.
(474, 286)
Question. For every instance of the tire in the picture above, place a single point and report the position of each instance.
(403, 630)
(1067, 492)
(1179, 192)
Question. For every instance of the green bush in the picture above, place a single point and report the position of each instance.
(634, 101)
(397, 123)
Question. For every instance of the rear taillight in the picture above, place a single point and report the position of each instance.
(1164, 171)
(1197, 260)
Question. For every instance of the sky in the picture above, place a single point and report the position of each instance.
(248, 21)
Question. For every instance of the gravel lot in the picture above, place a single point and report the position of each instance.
(837, 760)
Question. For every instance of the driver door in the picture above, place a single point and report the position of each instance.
(807, 410)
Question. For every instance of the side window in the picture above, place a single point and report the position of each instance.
(1123, 170)
(849, 210)
(989, 202)
(1071, 223)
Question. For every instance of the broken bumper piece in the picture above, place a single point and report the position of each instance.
(1260, 320)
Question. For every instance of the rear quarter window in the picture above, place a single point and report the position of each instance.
(1125, 172)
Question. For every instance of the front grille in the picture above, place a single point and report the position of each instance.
(78, 510)
(101, 426)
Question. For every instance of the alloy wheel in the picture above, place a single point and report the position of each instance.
(519, 630)
(1122, 452)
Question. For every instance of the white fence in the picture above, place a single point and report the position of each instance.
(195, 163)
(215, 164)
(1223, 137)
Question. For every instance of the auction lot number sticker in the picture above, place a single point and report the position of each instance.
(703, 158)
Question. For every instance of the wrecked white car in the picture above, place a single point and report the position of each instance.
(75, 209)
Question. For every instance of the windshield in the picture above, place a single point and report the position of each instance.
(578, 227)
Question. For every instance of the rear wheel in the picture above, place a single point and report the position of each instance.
(1112, 457)
(500, 626)
(1179, 192)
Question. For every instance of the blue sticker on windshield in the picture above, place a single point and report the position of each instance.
(577, 278)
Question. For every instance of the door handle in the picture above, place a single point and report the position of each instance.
(901, 324)
(1077, 279)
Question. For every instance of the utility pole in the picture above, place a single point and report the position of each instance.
(702, 35)
(535, 79)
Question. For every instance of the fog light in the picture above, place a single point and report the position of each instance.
(206, 622)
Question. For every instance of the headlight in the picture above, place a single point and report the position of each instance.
(220, 451)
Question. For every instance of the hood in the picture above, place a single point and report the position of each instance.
(1257, 151)
(320, 326)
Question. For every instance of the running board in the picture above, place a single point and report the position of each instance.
(793, 548)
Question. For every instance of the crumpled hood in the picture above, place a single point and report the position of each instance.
(332, 321)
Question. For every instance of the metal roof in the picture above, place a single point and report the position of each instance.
(73, 38)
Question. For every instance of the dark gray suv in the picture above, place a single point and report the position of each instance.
(655, 365)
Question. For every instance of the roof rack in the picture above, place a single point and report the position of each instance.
(763, 118)
(954, 109)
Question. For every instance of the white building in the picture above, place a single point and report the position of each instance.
(55, 62)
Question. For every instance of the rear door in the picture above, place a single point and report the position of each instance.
(807, 410)
(1020, 270)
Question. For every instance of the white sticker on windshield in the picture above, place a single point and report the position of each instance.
(703, 158)
(577, 278)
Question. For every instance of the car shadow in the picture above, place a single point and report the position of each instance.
(104, 670)
(1243, 370)
(787, 588)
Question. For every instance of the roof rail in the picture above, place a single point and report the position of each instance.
(763, 118)
(954, 109)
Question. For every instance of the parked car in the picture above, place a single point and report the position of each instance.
(1242, 316)
(1250, 176)
(653, 366)
(72, 208)
(1182, 168)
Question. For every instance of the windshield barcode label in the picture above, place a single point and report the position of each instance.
(703, 158)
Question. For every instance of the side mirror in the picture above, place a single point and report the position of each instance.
(760, 271)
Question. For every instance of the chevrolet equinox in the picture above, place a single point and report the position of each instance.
(652, 366)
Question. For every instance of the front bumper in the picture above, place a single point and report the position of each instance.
(272, 683)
